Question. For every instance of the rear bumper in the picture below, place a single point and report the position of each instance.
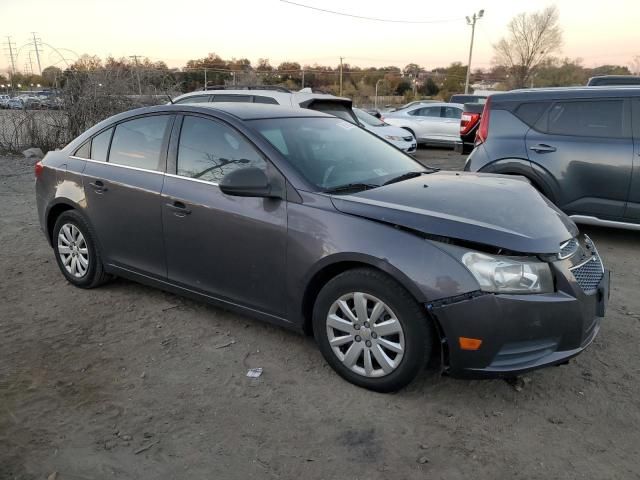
(520, 333)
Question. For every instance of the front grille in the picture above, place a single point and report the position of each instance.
(408, 139)
(589, 274)
(568, 248)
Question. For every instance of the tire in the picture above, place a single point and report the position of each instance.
(370, 287)
(85, 248)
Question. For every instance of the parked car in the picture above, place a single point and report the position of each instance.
(410, 104)
(374, 112)
(464, 98)
(15, 104)
(4, 101)
(305, 98)
(578, 146)
(611, 80)
(309, 222)
(469, 122)
(397, 136)
(433, 124)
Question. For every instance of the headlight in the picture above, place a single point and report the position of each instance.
(509, 274)
(393, 137)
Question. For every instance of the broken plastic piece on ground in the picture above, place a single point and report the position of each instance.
(254, 372)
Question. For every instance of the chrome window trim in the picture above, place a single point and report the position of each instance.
(117, 165)
(172, 175)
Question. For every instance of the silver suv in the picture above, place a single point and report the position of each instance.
(274, 95)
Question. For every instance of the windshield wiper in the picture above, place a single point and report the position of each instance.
(351, 186)
(405, 176)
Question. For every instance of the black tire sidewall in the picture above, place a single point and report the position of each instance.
(95, 268)
(410, 314)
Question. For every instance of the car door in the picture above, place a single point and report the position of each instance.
(451, 123)
(633, 204)
(427, 121)
(587, 148)
(231, 248)
(122, 183)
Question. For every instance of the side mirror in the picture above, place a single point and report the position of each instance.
(247, 182)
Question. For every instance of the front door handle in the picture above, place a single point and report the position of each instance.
(98, 186)
(542, 148)
(179, 208)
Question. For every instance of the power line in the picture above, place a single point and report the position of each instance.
(373, 19)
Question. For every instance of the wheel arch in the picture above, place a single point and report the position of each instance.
(332, 266)
(56, 209)
(539, 178)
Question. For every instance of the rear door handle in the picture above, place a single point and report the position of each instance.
(179, 208)
(542, 148)
(98, 186)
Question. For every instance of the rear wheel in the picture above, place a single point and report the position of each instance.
(77, 252)
(371, 330)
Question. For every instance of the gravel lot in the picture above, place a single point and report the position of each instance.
(128, 382)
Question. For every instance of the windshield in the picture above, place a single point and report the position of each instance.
(329, 152)
(364, 117)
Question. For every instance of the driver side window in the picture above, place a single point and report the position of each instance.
(208, 150)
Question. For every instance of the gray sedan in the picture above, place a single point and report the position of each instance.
(307, 221)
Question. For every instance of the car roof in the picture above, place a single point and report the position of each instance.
(566, 93)
(253, 111)
(298, 97)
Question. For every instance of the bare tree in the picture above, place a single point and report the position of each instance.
(532, 38)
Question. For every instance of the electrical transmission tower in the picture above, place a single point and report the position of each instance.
(37, 41)
(10, 50)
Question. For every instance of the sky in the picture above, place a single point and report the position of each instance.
(598, 32)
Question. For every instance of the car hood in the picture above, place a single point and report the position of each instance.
(497, 210)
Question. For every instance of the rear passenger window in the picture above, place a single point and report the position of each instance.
(451, 112)
(194, 99)
(138, 143)
(426, 112)
(261, 99)
(529, 113)
(209, 150)
(587, 118)
(232, 98)
(100, 145)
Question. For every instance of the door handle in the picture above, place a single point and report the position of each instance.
(542, 148)
(98, 186)
(179, 209)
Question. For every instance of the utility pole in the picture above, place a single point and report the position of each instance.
(302, 79)
(471, 21)
(341, 58)
(35, 44)
(10, 46)
(135, 57)
(205, 78)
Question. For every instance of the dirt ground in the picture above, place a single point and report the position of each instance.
(128, 382)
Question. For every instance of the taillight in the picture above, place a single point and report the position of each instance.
(468, 121)
(483, 129)
(381, 118)
(37, 170)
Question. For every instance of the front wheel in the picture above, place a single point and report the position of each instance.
(371, 330)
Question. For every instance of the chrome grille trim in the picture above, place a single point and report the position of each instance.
(568, 249)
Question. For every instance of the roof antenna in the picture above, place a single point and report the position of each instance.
(170, 99)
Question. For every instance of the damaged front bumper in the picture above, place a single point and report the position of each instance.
(520, 333)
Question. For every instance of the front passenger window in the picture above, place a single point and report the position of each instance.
(208, 150)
